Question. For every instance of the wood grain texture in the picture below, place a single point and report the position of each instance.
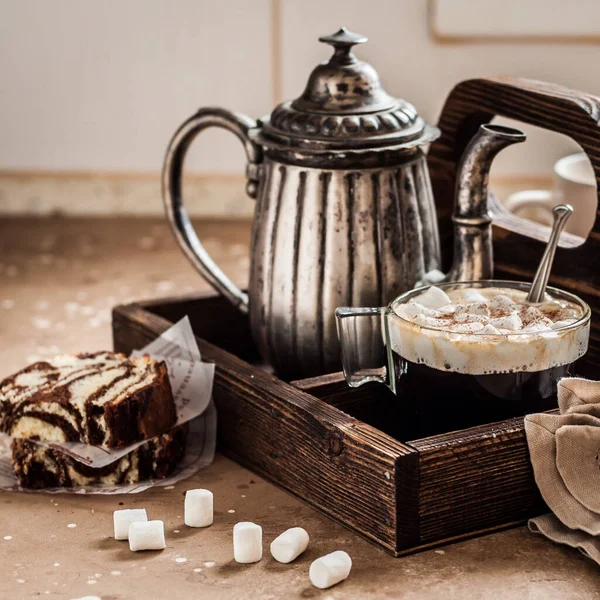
(517, 254)
(481, 476)
(342, 466)
(344, 451)
(469, 480)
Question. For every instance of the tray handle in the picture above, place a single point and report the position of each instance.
(477, 101)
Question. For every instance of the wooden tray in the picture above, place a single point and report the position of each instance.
(325, 442)
(332, 446)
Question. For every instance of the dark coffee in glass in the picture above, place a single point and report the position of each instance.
(463, 354)
(439, 401)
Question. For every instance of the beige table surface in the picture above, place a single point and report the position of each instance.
(58, 280)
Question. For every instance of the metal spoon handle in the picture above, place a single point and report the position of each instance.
(561, 214)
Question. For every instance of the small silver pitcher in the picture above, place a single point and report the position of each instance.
(344, 210)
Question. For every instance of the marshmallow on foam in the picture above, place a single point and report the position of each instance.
(511, 322)
(564, 323)
(413, 309)
(448, 309)
(502, 303)
(473, 295)
(568, 314)
(532, 315)
(470, 318)
(434, 298)
(537, 326)
(478, 308)
(473, 311)
(489, 330)
(433, 322)
(473, 327)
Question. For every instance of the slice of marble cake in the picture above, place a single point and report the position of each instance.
(102, 399)
(37, 466)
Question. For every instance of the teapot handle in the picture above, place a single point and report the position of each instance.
(171, 190)
(477, 101)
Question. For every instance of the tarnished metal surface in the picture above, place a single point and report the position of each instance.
(473, 254)
(344, 106)
(324, 239)
(171, 191)
(560, 216)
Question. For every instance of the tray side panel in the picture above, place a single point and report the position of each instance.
(339, 465)
(476, 479)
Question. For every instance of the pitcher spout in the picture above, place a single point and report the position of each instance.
(473, 255)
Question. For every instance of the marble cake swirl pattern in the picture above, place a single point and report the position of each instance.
(102, 399)
(37, 466)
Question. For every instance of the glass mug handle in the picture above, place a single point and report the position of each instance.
(363, 351)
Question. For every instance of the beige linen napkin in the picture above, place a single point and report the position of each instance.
(565, 454)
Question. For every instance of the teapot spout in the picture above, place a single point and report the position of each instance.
(473, 255)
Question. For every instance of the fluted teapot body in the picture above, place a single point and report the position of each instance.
(329, 237)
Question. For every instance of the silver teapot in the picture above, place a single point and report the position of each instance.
(344, 209)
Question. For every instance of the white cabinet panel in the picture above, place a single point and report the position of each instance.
(474, 19)
(103, 85)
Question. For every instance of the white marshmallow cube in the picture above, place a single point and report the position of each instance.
(537, 327)
(289, 545)
(147, 536)
(247, 542)
(449, 309)
(122, 519)
(412, 310)
(330, 569)
(503, 303)
(512, 322)
(564, 323)
(434, 297)
(473, 295)
(198, 509)
(470, 318)
(424, 321)
(478, 308)
(531, 313)
(474, 327)
(489, 330)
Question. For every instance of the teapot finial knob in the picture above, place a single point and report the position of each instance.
(342, 41)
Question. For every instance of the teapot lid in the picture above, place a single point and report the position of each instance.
(345, 107)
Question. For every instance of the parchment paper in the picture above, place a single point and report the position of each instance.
(191, 381)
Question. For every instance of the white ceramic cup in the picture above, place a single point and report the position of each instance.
(574, 183)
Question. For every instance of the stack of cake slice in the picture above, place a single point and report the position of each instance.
(102, 399)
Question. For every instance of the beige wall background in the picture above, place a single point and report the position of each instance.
(91, 92)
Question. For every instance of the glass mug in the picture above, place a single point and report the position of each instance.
(450, 380)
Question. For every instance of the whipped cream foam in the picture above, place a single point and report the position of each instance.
(486, 330)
